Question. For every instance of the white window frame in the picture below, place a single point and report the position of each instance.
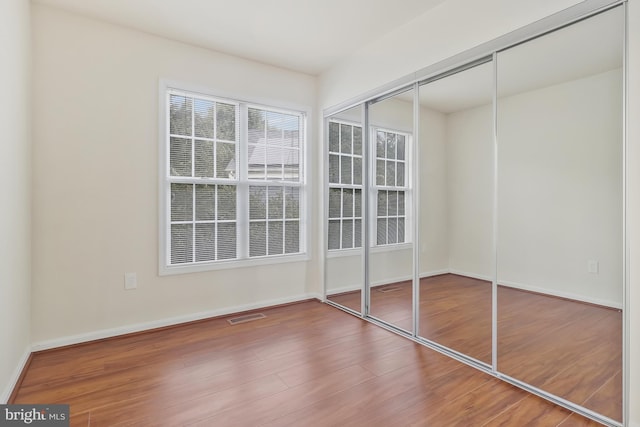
(374, 188)
(242, 182)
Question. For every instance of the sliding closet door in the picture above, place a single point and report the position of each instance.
(390, 261)
(456, 211)
(560, 213)
(344, 268)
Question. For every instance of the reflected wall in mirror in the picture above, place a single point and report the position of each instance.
(560, 201)
(344, 277)
(391, 221)
(456, 211)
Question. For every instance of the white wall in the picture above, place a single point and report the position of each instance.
(560, 192)
(15, 208)
(96, 178)
(469, 148)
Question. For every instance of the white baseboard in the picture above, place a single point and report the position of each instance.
(13, 381)
(472, 275)
(434, 273)
(567, 295)
(139, 327)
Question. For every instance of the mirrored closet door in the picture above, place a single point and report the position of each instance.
(390, 265)
(456, 176)
(344, 268)
(560, 213)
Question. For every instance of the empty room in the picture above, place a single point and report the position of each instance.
(320, 213)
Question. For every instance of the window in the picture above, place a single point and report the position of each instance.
(345, 185)
(233, 181)
(389, 186)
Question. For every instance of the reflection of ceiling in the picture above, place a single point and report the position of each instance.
(589, 47)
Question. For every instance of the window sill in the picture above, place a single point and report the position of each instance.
(338, 253)
(225, 265)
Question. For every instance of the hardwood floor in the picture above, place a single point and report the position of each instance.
(569, 348)
(306, 364)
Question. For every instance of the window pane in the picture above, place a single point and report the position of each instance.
(257, 202)
(291, 161)
(205, 242)
(334, 168)
(400, 202)
(347, 203)
(275, 202)
(382, 203)
(381, 140)
(283, 129)
(357, 140)
(400, 173)
(335, 202)
(382, 231)
(181, 202)
(225, 160)
(380, 180)
(203, 117)
(357, 196)
(181, 243)
(257, 239)
(345, 169)
(391, 145)
(401, 147)
(204, 159)
(391, 173)
(357, 233)
(274, 162)
(205, 202)
(226, 121)
(392, 235)
(334, 234)
(401, 230)
(180, 157)
(357, 170)
(334, 137)
(292, 237)
(227, 240)
(257, 123)
(292, 202)
(345, 139)
(226, 202)
(275, 238)
(393, 203)
(347, 233)
(180, 115)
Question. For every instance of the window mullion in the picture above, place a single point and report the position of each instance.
(242, 195)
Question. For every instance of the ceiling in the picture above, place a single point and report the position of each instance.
(308, 36)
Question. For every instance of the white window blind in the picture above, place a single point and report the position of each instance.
(234, 180)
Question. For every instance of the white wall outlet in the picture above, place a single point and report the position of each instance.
(592, 266)
(130, 281)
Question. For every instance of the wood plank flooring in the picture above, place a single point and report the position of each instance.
(306, 364)
(569, 348)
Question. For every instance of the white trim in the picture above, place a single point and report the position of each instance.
(225, 265)
(468, 274)
(568, 295)
(171, 321)
(434, 273)
(351, 288)
(13, 380)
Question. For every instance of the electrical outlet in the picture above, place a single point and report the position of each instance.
(592, 266)
(130, 281)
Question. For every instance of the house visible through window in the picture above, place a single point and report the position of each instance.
(234, 180)
(388, 185)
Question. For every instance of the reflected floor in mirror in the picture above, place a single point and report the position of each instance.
(569, 348)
